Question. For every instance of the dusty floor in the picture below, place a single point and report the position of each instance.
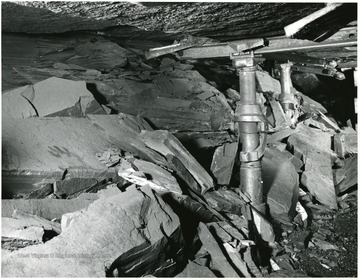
(338, 228)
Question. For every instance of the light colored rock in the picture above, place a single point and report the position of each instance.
(317, 178)
(281, 184)
(281, 120)
(324, 245)
(279, 135)
(314, 147)
(303, 139)
(166, 144)
(17, 229)
(144, 173)
(223, 162)
(109, 191)
(298, 164)
(233, 94)
(127, 232)
(33, 220)
(54, 96)
(218, 259)
(15, 105)
(68, 218)
(350, 175)
(46, 208)
(345, 143)
(266, 83)
(263, 226)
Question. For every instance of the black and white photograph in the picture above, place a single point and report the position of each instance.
(187, 139)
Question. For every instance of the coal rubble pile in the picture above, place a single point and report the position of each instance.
(117, 166)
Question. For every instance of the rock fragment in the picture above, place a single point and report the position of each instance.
(281, 184)
(98, 242)
(15, 106)
(99, 55)
(195, 270)
(29, 160)
(33, 220)
(67, 187)
(46, 208)
(223, 162)
(267, 84)
(350, 172)
(52, 97)
(16, 229)
(144, 173)
(166, 144)
(219, 261)
(345, 143)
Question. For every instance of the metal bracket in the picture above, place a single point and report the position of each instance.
(257, 153)
(249, 113)
(324, 71)
(252, 113)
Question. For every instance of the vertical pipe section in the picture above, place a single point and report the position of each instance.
(250, 172)
(286, 97)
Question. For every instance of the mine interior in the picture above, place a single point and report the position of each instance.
(179, 139)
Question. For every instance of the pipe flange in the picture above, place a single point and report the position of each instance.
(249, 113)
(257, 153)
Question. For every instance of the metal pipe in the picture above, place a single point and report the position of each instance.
(307, 46)
(276, 45)
(286, 97)
(250, 172)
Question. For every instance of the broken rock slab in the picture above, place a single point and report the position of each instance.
(170, 103)
(71, 186)
(280, 135)
(46, 208)
(318, 177)
(281, 184)
(307, 104)
(345, 143)
(314, 148)
(306, 137)
(267, 84)
(134, 233)
(14, 105)
(281, 120)
(223, 162)
(41, 192)
(17, 229)
(35, 149)
(52, 97)
(33, 220)
(202, 140)
(298, 163)
(350, 175)
(99, 55)
(167, 145)
(144, 173)
(219, 261)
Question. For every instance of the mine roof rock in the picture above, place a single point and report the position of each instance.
(216, 20)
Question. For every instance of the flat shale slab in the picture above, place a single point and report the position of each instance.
(314, 147)
(281, 184)
(131, 234)
(45, 149)
(47, 208)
